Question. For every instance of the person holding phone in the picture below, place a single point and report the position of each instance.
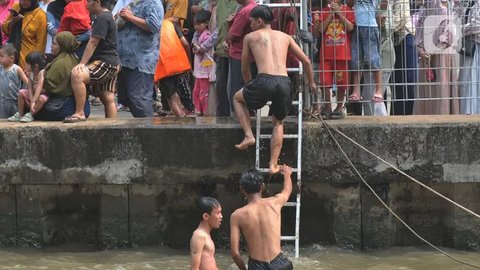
(27, 27)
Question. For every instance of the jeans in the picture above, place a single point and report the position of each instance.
(138, 87)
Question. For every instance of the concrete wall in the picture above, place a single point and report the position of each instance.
(127, 183)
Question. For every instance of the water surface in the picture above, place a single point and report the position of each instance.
(313, 257)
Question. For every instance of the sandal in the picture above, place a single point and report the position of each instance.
(338, 113)
(377, 98)
(325, 113)
(353, 98)
(74, 119)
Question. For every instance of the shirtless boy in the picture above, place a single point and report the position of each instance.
(202, 247)
(269, 49)
(260, 221)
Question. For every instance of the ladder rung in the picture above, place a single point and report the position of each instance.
(295, 102)
(285, 136)
(290, 204)
(274, 5)
(288, 238)
(267, 169)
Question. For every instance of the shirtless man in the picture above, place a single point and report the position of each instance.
(201, 245)
(260, 221)
(269, 49)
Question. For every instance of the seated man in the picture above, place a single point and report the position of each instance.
(269, 48)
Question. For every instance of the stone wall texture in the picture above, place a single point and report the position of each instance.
(124, 183)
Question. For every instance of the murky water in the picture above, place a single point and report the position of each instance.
(313, 257)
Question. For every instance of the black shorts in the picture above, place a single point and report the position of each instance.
(174, 84)
(281, 262)
(266, 88)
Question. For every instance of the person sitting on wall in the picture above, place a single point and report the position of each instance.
(61, 102)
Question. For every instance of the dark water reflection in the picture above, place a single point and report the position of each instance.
(313, 257)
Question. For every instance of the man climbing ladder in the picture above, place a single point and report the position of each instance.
(269, 48)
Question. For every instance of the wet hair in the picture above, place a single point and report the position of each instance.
(206, 205)
(262, 12)
(9, 50)
(36, 58)
(251, 181)
(202, 16)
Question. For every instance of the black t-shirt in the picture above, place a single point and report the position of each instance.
(104, 28)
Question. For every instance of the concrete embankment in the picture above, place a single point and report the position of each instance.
(134, 182)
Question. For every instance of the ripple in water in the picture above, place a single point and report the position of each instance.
(312, 257)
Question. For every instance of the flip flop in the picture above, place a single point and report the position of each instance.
(354, 98)
(377, 98)
(338, 114)
(325, 113)
(73, 119)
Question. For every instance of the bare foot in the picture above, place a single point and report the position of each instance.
(274, 169)
(248, 141)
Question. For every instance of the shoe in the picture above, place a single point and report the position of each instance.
(27, 118)
(96, 102)
(15, 118)
(121, 107)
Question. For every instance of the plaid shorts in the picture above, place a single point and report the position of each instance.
(102, 77)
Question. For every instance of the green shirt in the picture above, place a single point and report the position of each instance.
(225, 8)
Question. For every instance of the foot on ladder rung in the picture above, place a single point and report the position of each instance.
(288, 238)
(285, 136)
(268, 170)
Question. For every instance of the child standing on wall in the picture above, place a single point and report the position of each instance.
(204, 65)
(35, 96)
(366, 49)
(11, 77)
(335, 22)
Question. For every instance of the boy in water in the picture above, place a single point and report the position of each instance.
(260, 221)
(202, 248)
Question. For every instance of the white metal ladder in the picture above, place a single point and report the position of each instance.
(298, 169)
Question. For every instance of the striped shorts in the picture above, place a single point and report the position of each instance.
(103, 77)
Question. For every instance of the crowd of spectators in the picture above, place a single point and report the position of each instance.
(390, 47)
(131, 53)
